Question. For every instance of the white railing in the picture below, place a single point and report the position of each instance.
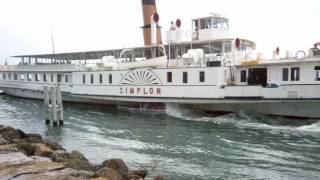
(47, 67)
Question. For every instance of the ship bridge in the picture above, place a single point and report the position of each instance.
(212, 27)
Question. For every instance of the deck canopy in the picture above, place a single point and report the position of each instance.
(94, 55)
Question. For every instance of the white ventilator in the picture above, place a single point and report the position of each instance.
(153, 30)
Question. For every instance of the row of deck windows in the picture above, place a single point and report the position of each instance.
(185, 77)
(36, 77)
(295, 74)
(67, 78)
(92, 78)
(169, 78)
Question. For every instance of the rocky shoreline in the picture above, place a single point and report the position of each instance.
(29, 156)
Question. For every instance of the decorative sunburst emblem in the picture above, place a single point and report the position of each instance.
(140, 77)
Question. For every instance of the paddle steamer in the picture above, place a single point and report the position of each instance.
(203, 69)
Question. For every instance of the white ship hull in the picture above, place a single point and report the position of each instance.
(289, 108)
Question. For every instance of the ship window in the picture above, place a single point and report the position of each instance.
(22, 77)
(243, 76)
(202, 23)
(83, 78)
(169, 77)
(15, 76)
(51, 77)
(185, 77)
(29, 77)
(317, 76)
(202, 76)
(227, 47)
(66, 78)
(285, 74)
(100, 78)
(317, 69)
(110, 78)
(44, 77)
(91, 78)
(36, 77)
(59, 77)
(9, 76)
(4, 76)
(295, 74)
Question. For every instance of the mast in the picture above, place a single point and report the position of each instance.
(52, 39)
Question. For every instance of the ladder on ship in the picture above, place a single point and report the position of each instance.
(231, 72)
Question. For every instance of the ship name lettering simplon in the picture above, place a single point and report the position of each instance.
(140, 90)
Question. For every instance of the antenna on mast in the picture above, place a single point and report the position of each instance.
(52, 39)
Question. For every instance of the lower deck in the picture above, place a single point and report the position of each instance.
(306, 108)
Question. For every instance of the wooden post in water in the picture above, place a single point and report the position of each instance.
(46, 104)
(53, 98)
(53, 105)
(59, 105)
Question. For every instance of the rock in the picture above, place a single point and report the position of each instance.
(68, 173)
(78, 164)
(34, 138)
(116, 164)
(60, 156)
(111, 174)
(141, 173)
(8, 148)
(9, 133)
(77, 155)
(53, 145)
(3, 141)
(12, 172)
(27, 148)
(16, 158)
(77, 160)
(158, 178)
(134, 177)
(22, 134)
(42, 150)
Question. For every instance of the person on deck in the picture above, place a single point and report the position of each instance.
(173, 27)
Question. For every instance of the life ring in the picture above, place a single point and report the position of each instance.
(300, 55)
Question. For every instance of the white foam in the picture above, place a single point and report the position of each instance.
(240, 120)
(173, 110)
(315, 127)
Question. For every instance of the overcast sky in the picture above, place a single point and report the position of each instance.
(81, 25)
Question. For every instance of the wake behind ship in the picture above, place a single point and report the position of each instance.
(205, 71)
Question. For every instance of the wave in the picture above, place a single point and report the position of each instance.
(315, 127)
(246, 120)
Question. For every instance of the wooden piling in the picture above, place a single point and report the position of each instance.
(53, 105)
(59, 105)
(46, 104)
(53, 98)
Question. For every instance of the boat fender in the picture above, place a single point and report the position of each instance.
(237, 43)
(178, 23)
(156, 17)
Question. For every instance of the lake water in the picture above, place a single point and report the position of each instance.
(180, 145)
